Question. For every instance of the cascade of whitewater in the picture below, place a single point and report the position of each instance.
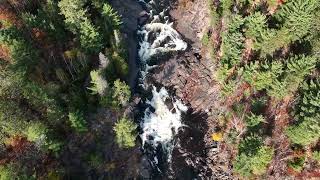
(157, 37)
(159, 124)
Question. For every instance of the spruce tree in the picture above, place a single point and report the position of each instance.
(307, 129)
(90, 38)
(120, 93)
(24, 57)
(78, 22)
(256, 29)
(111, 17)
(297, 17)
(306, 132)
(126, 134)
(232, 42)
(73, 12)
(297, 68)
(77, 121)
(253, 157)
(309, 104)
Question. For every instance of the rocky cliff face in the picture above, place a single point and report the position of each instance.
(191, 72)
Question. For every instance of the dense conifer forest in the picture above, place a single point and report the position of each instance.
(62, 62)
(53, 77)
(268, 70)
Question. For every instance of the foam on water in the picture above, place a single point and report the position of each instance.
(159, 123)
(160, 126)
(166, 40)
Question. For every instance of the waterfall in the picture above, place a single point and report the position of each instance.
(160, 123)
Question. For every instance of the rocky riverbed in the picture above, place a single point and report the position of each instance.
(190, 76)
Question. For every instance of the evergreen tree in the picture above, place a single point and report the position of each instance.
(223, 73)
(7, 172)
(226, 7)
(11, 171)
(78, 22)
(250, 72)
(90, 39)
(120, 93)
(232, 42)
(256, 28)
(264, 76)
(256, 164)
(37, 132)
(316, 156)
(253, 157)
(98, 3)
(272, 41)
(253, 120)
(125, 133)
(278, 89)
(47, 19)
(120, 65)
(23, 56)
(250, 144)
(229, 87)
(13, 120)
(99, 84)
(298, 16)
(307, 130)
(39, 98)
(74, 13)
(78, 121)
(297, 163)
(40, 134)
(297, 68)
(309, 105)
(111, 17)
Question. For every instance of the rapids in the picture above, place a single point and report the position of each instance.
(165, 40)
(160, 124)
(163, 123)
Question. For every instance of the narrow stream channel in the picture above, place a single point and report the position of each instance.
(161, 119)
(171, 133)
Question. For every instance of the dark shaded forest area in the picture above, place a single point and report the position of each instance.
(60, 62)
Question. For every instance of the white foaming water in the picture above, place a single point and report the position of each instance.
(157, 38)
(162, 124)
(166, 39)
